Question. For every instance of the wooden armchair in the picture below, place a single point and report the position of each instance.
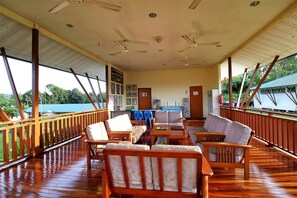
(231, 150)
(97, 138)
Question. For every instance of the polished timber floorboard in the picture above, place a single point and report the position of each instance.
(62, 173)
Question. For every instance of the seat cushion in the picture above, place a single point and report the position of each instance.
(223, 125)
(175, 116)
(192, 130)
(137, 131)
(189, 170)
(132, 166)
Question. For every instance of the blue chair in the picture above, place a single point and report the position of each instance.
(148, 116)
(138, 115)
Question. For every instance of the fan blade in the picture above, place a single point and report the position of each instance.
(184, 49)
(188, 39)
(139, 51)
(59, 7)
(121, 45)
(104, 5)
(206, 44)
(194, 4)
(113, 54)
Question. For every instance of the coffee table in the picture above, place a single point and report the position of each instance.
(160, 131)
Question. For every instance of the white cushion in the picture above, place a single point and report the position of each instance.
(208, 121)
(223, 125)
(132, 166)
(213, 124)
(97, 131)
(189, 170)
(119, 123)
(175, 116)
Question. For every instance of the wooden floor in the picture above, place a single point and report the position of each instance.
(62, 173)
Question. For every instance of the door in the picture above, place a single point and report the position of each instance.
(144, 98)
(196, 102)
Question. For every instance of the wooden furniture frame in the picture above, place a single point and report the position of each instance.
(225, 152)
(203, 172)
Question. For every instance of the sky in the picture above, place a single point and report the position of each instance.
(22, 75)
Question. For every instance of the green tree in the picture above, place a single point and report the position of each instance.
(75, 96)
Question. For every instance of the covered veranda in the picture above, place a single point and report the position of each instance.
(273, 174)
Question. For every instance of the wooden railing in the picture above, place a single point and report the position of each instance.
(277, 129)
(17, 137)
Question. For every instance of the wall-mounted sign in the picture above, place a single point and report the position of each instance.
(144, 95)
(195, 93)
(117, 76)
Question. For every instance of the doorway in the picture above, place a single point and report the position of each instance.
(144, 98)
(196, 102)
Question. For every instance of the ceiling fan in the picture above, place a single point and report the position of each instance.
(194, 4)
(193, 43)
(123, 44)
(101, 4)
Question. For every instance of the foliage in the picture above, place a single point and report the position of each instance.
(58, 96)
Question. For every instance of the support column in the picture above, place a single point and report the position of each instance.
(230, 82)
(93, 90)
(261, 82)
(35, 87)
(250, 85)
(82, 86)
(241, 87)
(12, 84)
(101, 99)
(107, 91)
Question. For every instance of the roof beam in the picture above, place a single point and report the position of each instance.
(261, 82)
(12, 84)
(82, 86)
(93, 90)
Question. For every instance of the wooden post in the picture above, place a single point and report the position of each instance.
(99, 106)
(101, 99)
(82, 86)
(261, 82)
(107, 80)
(12, 84)
(35, 94)
(230, 82)
(250, 85)
(241, 87)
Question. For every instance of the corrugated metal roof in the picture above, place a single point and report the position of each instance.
(287, 81)
(62, 108)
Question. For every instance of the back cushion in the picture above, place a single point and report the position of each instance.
(223, 125)
(161, 116)
(132, 166)
(208, 121)
(97, 131)
(238, 134)
(175, 116)
(189, 170)
(119, 123)
(214, 122)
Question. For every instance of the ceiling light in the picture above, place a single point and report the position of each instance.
(152, 15)
(69, 25)
(59, 7)
(255, 3)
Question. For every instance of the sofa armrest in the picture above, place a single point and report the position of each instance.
(210, 136)
(122, 135)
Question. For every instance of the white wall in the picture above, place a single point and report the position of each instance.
(170, 85)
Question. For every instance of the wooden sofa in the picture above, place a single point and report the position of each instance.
(122, 123)
(230, 150)
(163, 171)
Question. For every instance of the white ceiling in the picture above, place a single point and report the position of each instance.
(233, 23)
